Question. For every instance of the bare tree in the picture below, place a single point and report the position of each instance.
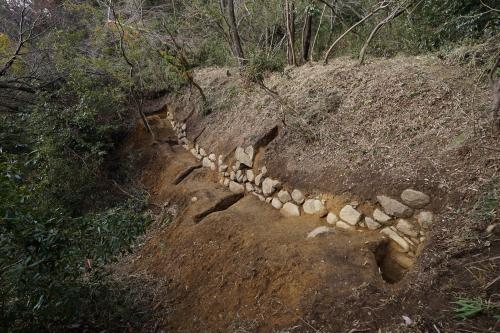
(235, 36)
(398, 9)
(381, 5)
(290, 31)
(495, 84)
(307, 34)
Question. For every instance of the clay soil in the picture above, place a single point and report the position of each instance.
(233, 264)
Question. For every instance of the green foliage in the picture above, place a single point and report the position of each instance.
(260, 64)
(466, 308)
(45, 252)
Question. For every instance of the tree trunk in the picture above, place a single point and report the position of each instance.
(290, 31)
(306, 37)
(317, 33)
(235, 36)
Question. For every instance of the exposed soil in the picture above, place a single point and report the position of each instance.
(233, 264)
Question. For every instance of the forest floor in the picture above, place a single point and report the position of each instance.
(231, 263)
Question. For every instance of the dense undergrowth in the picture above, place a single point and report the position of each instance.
(68, 203)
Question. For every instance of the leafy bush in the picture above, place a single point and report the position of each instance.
(260, 64)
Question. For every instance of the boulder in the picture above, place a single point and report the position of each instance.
(298, 197)
(344, 226)
(314, 207)
(332, 218)
(320, 231)
(406, 228)
(393, 235)
(269, 186)
(245, 156)
(371, 224)
(350, 215)
(284, 196)
(380, 216)
(289, 209)
(250, 175)
(235, 187)
(425, 219)
(276, 203)
(394, 207)
(415, 199)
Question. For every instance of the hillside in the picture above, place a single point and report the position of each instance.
(342, 134)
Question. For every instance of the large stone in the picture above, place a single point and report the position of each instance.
(245, 156)
(350, 215)
(380, 216)
(235, 187)
(406, 228)
(415, 199)
(320, 231)
(250, 175)
(276, 203)
(314, 207)
(396, 238)
(332, 218)
(284, 196)
(269, 186)
(289, 209)
(425, 219)
(371, 224)
(394, 207)
(344, 226)
(298, 197)
(402, 260)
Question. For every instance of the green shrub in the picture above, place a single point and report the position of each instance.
(260, 64)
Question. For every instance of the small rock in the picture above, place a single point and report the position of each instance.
(394, 207)
(314, 207)
(249, 187)
(298, 197)
(276, 203)
(268, 200)
(226, 182)
(406, 228)
(250, 175)
(232, 175)
(371, 224)
(213, 167)
(332, 218)
(257, 189)
(269, 186)
(493, 229)
(289, 209)
(223, 168)
(239, 176)
(258, 179)
(244, 179)
(396, 238)
(221, 159)
(424, 219)
(226, 174)
(203, 152)
(199, 157)
(261, 197)
(206, 162)
(344, 226)
(414, 198)
(194, 199)
(350, 215)
(284, 196)
(320, 231)
(183, 127)
(212, 157)
(380, 216)
(235, 187)
(263, 170)
(194, 152)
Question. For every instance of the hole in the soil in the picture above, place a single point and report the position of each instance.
(219, 206)
(391, 271)
(267, 137)
(184, 173)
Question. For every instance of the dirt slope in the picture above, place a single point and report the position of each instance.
(233, 264)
